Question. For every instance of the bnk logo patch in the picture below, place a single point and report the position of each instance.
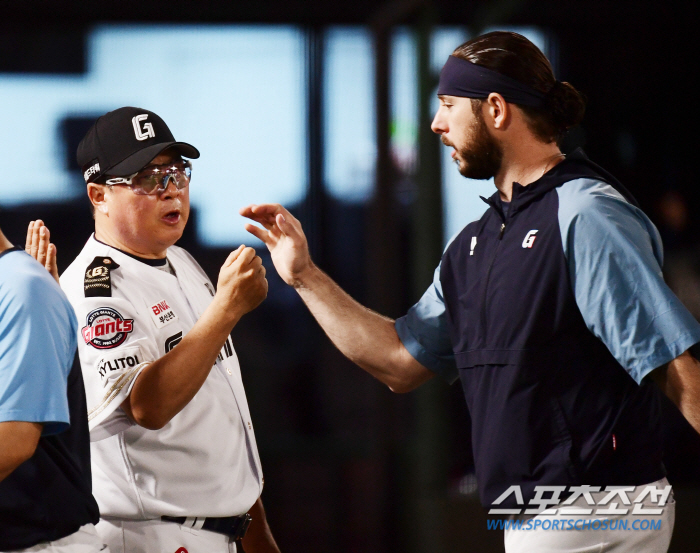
(162, 314)
(106, 328)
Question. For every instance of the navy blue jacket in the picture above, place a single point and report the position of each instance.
(550, 405)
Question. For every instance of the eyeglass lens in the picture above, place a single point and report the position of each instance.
(157, 178)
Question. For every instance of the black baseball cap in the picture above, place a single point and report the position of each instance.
(124, 141)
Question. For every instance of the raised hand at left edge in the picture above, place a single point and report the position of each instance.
(39, 246)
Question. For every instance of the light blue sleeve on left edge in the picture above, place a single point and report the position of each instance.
(424, 333)
(614, 254)
(38, 334)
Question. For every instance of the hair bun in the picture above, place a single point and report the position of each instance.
(565, 104)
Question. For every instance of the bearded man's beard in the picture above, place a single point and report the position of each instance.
(480, 159)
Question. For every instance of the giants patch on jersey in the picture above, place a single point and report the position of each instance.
(125, 358)
(106, 328)
(162, 314)
(98, 281)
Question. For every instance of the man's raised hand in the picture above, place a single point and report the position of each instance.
(242, 285)
(284, 237)
(38, 245)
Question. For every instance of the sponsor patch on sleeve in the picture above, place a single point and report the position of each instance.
(118, 361)
(105, 328)
(162, 314)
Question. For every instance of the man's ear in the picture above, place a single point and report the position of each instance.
(498, 110)
(97, 194)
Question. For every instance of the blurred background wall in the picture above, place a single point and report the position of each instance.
(325, 107)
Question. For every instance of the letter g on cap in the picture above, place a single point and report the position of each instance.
(147, 131)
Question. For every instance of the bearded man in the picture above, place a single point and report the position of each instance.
(551, 309)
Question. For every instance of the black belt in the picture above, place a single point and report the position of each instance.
(233, 527)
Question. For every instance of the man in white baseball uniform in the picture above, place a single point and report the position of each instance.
(174, 458)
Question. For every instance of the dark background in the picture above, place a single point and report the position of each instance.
(350, 466)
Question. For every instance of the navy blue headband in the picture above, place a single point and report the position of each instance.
(465, 79)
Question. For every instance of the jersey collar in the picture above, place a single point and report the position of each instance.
(147, 261)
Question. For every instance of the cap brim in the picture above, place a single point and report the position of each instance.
(140, 159)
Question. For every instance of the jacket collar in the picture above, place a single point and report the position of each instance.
(575, 166)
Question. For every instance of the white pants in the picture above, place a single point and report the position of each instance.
(157, 536)
(85, 540)
(618, 540)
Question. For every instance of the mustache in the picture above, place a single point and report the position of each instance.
(445, 141)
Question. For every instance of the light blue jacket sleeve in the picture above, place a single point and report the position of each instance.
(614, 254)
(38, 341)
(424, 333)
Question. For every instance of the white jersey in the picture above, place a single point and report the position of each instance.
(204, 462)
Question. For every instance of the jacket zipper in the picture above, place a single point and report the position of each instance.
(488, 277)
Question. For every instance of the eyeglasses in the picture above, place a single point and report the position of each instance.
(155, 179)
